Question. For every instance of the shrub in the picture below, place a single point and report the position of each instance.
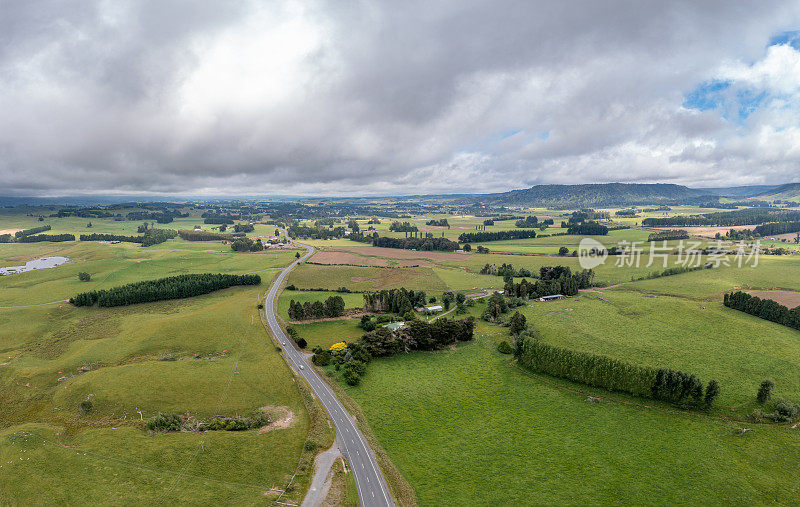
(504, 347)
(84, 276)
(85, 407)
(321, 358)
(350, 376)
(784, 412)
(765, 391)
(164, 422)
(301, 342)
(291, 287)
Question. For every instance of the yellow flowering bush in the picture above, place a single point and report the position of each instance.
(338, 347)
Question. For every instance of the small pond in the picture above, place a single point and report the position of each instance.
(41, 263)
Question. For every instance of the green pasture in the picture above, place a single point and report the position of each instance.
(466, 427)
(112, 265)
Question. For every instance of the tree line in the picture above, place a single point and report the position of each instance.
(773, 229)
(668, 235)
(149, 238)
(331, 307)
(247, 245)
(37, 238)
(749, 216)
(614, 375)
(505, 270)
(766, 309)
(172, 287)
(218, 220)
(422, 244)
(483, 236)
(32, 231)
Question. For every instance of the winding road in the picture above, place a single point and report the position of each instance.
(371, 486)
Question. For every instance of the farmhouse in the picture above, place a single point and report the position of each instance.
(433, 309)
(554, 297)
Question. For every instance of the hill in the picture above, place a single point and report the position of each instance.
(597, 195)
(787, 192)
(743, 191)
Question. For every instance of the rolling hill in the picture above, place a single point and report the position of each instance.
(787, 192)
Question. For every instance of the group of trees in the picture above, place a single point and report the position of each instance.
(243, 228)
(423, 244)
(417, 335)
(505, 270)
(766, 309)
(331, 307)
(498, 305)
(588, 228)
(438, 223)
(402, 227)
(398, 301)
(480, 237)
(245, 244)
(303, 231)
(530, 221)
(196, 235)
(46, 237)
(552, 280)
(173, 287)
(668, 235)
(615, 375)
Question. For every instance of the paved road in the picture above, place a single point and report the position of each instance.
(371, 486)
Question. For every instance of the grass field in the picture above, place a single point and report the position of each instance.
(702, 338)
(467, 428)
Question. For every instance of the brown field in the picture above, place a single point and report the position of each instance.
(334, 257)
(786, 298)
(9, 231)
(397, 253)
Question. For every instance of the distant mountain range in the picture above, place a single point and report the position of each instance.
(598, 195)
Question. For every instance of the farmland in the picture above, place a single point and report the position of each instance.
(209, 355)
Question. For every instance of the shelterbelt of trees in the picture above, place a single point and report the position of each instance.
(588, 228)
(766, 309)
(149, 238)
(172, 287)
(37, 238)
(601, 371)
(750, 216)
(776, 228)
(668, 235)
(204, 236)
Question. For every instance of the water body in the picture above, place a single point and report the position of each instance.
(42, 263)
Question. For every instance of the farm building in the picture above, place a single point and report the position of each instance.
(554, 297)
(433, 309)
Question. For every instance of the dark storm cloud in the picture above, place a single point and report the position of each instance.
(364, 97)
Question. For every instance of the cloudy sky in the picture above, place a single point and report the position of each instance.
(386, 97)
